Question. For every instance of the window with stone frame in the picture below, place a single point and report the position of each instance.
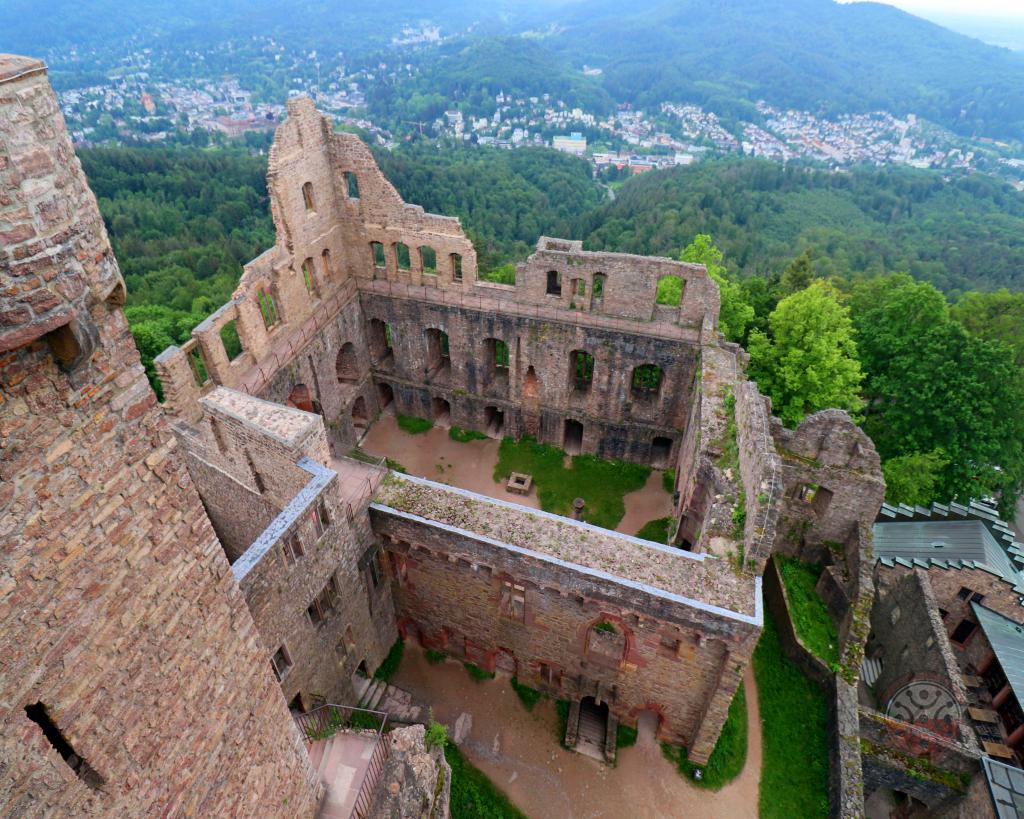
(550, 675)
(646, 381)
(963, 632)
(606, 643)
(668, 646)
(513, 601)
(323, 604)
(370, 567)
(318, 517)
(281, 662)
(292, 548)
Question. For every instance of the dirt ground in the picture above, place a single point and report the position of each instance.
(519, 751)
(470, 465)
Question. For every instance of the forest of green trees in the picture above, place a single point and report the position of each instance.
(813, 269)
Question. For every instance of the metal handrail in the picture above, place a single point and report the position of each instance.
(325, 721)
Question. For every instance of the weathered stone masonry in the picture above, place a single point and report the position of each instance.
(365, 303)
(121, 627)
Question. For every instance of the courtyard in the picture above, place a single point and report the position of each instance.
(624, 497)
(519, 751)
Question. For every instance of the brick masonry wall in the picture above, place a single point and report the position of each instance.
(242, 436)
(118, 610)
(433, 565)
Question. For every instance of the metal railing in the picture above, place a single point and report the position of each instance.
(327, 720)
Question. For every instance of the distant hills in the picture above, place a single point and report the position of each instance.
(816, 55)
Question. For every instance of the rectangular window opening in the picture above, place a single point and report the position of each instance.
(38, 714)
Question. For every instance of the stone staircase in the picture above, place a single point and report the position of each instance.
(341, 762)
(377, 695)
(870, 669)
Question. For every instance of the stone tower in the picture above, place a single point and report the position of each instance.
(132, 682)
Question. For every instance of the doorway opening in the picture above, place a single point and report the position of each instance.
(593, 728)
(494, 421)
(385, 395)
(661, 450)
(441, 411)
(572, 441)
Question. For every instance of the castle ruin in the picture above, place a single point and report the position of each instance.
(179, 574)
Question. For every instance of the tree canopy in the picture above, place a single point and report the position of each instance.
(809, 362)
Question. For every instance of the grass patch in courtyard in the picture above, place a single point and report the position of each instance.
(624, 736)
(434, 656)
(528, 696)
(668, 481)
(602, 484)
(730, 753)
(386, 670)
(413, 425)
(794, 716)
(656, 530)
(464, 436)
(473, 795)
(808, 611)
(477, 673)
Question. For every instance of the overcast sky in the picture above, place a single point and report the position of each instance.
(963, 8)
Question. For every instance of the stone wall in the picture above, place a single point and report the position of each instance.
(316, 538)
(120, 615)
(908, 636)
(536, 619)
(416, 781)
(832, 479)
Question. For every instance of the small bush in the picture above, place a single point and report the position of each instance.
(464, 436)
(477, 673)
(528, 696)
(625, 736)
(506, 274)
(434, 656)
(362, 720)
(606, 627)
(437, 733)
(395, 466)
(656, 530)
(414, 425)
(386, 670)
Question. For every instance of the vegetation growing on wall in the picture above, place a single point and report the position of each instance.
(807, 611)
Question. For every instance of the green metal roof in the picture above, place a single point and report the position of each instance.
(1007, 640)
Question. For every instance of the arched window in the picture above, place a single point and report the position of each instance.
(307, 276)
(646, 380)
(581, 370)
(325, 264)
(428, 256)
(597, 289)
(554, 283)
(351, 185)
(381, 340)
(670, 291)
(402, 256)
(307, 195)
(438, 355)
(379, 259)
(346, 365)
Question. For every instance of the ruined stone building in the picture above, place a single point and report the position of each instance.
(174, 577)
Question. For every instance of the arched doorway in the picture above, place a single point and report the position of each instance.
(504, 662)
(572, 441)
(385, 395)
(346, 366)
(300, 398)
(359, 417)
(661, 449)
(441, 411)
(531, 402)
(593, 727)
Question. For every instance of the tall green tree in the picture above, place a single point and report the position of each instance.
(914, 479)
(809, 362)
(997, 316)
(735, 314)
(933, 386)
(799, 274)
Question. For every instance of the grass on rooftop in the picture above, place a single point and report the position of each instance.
(808, 611)
(602, 484)
(794, 715)
(730, 753)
